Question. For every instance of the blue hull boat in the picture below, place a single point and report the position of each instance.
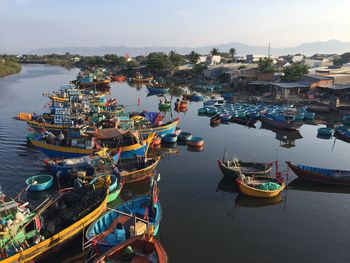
(115, 227)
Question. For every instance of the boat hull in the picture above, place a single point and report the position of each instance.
(235, 173)
(54, 151)
(161, 130)
(283, 125)
(43, 247)
(317, 177)
(253, 192)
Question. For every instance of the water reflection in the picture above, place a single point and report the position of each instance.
(287, 138)
(303, 185)
(227, 184)
(247, 201)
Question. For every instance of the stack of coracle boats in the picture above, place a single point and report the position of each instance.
(94, 147)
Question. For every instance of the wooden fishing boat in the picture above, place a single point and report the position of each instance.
(280, 122)
(155, 89)
(169, 138)
(39, 182)
(234, 168)
(215, 119)
(346, 120)
(23, 116)
(321, 175)
(133, 169)
(260, 187)
(58, 99)
(47, 126)
(64, 217)
(244, 120)
(342, 134)
(125, 221)
(118, 78)
(127, 151)
(142, 248)
(195, 141)
(184, 136)
(166, 128)
(114, 185)
(325, 131)
(98, 84)
(141, 79)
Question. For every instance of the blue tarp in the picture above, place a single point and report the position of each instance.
(151, 116)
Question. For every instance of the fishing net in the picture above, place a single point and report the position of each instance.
(270, 186)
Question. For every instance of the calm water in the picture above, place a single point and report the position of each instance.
(205, 219)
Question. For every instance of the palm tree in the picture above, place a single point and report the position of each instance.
(193, 57)
(232, 52)
(214, 51)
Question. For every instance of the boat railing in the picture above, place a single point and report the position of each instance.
(92, 241)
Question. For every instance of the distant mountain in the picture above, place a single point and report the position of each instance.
(324, 47)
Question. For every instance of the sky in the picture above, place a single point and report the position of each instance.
(30, 24)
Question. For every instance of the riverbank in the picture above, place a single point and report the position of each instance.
(8, 67)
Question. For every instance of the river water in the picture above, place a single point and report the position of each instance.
(204, 218)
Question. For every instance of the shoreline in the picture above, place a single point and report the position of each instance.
(8, 68)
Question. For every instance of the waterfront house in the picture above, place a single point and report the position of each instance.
(213, 60)
(285, 90)
(297, 58)
(251, 58)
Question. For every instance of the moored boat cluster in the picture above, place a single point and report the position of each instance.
(93, 148)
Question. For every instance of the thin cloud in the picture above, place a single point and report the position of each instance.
(181, 12)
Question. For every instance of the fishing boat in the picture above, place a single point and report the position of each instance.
(196, 97)
(7, 203)
(157, 89)
(137, 169)
(140, 79)
(94, 84)
(325, 131)
(118, 78)
(244, 120)
(163, 129)
(195, 141)
(280, 122)
(346, 120)
(235, 167)
(113, 138)
(114, 185)
(39, 182)
(260, 187)
(321, 175)
(202, 111)
(215, 119)
(342, 133)
(184, 136)
(169, 138)
(309, 116)
(65, 166)
(63, 217)
(126, 221)
(142, 248)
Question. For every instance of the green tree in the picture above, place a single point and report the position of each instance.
(132, 64)
(265, 65)
(176, 59)
(214, 52)
(158, 61)
(232, 52)
(295, 72)
(193, 57)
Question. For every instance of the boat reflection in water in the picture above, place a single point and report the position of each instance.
(242, 200)
(303, 185)
(287, 138)
(227, 184)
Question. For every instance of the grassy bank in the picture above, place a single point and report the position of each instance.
(9, 67)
